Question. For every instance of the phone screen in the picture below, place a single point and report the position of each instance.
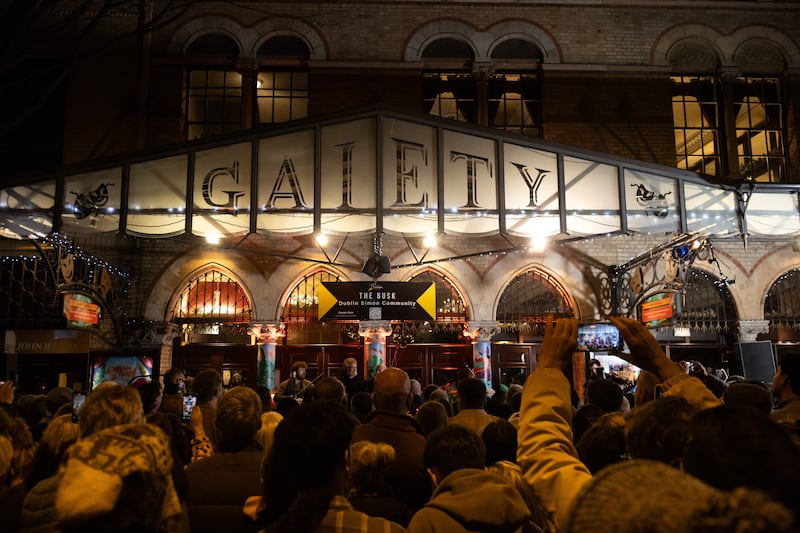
(189, 401)
(77, 402)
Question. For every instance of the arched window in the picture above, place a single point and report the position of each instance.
(782, 305)
(707, 303)
(213, 86)
(529, 298)
(212, 300)
(282, 92)
(449, 92)
(514, 99)
(450, 305)
(301, 304)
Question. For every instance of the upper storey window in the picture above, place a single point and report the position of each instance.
(728, 124)
(225, 93)
(502, 93)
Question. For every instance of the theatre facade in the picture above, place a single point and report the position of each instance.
(422, 232)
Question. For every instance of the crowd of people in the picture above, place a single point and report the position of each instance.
(345, 454)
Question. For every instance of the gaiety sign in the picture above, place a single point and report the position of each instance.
(389, 300)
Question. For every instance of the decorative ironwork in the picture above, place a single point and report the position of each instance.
(529, 299)
(212, 298)
(301, 305)
(782, 304)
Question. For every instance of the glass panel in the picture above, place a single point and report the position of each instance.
(222, 191)
(349, 162)
(157, 198)
(710, 210)
(773, 214)
(513, 102)
(651, 202)
(409, 171)
(286, 183)
(531, 191)
(27, 211)
(450, 95)
(214, 103)
(470, 184)
(592, 197)
(213, 298)
(281, 96)
(301, 304)
(93, 201)
(530, 297)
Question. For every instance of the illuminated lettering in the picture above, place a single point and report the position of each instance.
(408, 172)
(532, 183)
(208, 186)
(347, 174)
(472, 175)
(286, 176)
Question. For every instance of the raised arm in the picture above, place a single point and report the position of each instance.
(545, 449)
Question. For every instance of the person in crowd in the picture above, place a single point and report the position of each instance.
(709, 379)
(596, 370)
(731, 447)
(11, 498)
(56, 399)
(497, 405)
(390, 423)
(603, 444)
(466, 497)
(305, 473)
(266, 398)
(352, 382)
(500, 439)
(514, 401)
(472, 398)
(584, 418)
(269, 421)
(511, 473)
(368, 490)
(285, 404)
(645, 388)
(151, 396)
(431, 416)
(427, 390)
(643, 495)
(755, 394)
(110, 405)
(179, 439)
(175, 382)
(786, 390)
(605, 394)
(32, 408)
(361, 406)
(220, 485)
(416, 392)
(297, 384)
(659, 429)
(331, 389)
(545, 449)
(207, 385)
(60, 434)
(440, 395)
(119, 479)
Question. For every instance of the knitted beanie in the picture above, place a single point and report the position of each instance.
(642, 495)
(93, 477)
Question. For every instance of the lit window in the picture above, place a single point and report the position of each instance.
(514, 103)
(759, 129)
(695, 115)
(214, 103)
(281, 96)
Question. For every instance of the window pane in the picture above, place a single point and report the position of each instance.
(759, 129)
(282, 96)
(695, 120)
(213, 105)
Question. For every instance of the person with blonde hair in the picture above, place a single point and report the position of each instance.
(269, 421)
(511, 473)
(110, 405)
(369, 492)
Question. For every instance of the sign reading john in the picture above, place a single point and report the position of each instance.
(389, 300)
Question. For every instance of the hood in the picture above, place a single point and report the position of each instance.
(479, 499)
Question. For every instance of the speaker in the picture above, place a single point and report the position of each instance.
(384, 264)
(372, 267)
(757, 360)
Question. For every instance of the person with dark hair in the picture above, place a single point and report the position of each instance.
(207, 385)
(786, 390)
(305, 472)
(731, 447)
(331, 389)
(390, 423)
(466, 497)
(266, 398)
(583, 419)
(297, 384)
(500, 439)
(659, 429)
(151, 396)
(472, 398)
(605, 394)
(603, 444)
(755, 394)
(174, 381)
(220, 485)
(431, 416)
(361, 406)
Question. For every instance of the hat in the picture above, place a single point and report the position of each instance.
(94, 475)
(643, 495)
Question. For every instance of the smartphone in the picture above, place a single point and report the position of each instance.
(189, 401)
(77, 402)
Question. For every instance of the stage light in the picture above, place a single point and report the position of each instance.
(682, 252)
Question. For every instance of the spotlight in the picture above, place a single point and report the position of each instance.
(375, 265)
